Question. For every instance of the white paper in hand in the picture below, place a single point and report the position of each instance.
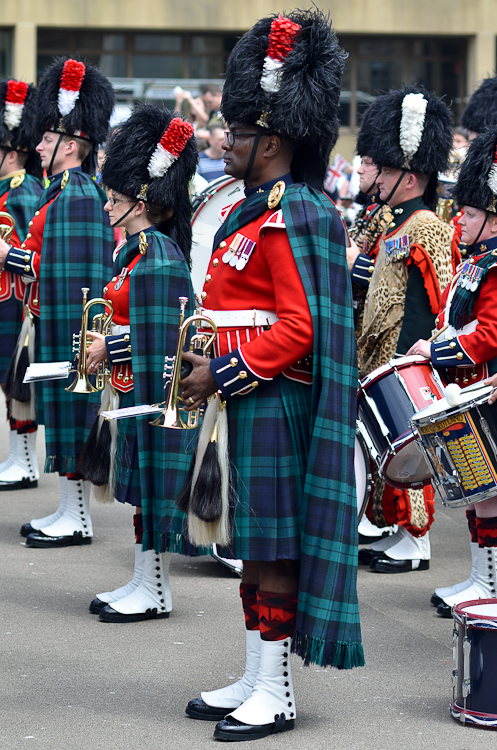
(131, 411)
(47, 371)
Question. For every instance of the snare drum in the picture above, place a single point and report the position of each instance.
(364, 471)
(387, 399)
(206, 221)
(474, 653)
(460, 444)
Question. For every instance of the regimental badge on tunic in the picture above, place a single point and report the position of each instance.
(397, 248)
(239, 251)
(470, 276)
(65, 179)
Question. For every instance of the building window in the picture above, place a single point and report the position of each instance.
(377, 64)
(151, 55)
(5, 53)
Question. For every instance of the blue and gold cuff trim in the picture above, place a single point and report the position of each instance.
(233, 376)
(118, 349)
(20, 262)
(449, 353)
(362, 270)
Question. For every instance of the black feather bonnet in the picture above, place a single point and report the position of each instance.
(411, 129)
(478, 170)
(76, 99)
(481, 111)
(154, 135)
(303, 106)
(18, 131)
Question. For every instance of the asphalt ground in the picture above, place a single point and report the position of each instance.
(70, 682)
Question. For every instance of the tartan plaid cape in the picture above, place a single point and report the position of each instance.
(328, 629)
(164, 455)
(21, 204)
(76, 252)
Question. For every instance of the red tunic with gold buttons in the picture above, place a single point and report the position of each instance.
(9, 282)
(470, 354)
(118, 344)
(26, 257)
(269, 281)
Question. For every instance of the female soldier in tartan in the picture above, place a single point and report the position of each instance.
(149, 162)
(279, 288)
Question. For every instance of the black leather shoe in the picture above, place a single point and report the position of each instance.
(96, 606)
(39, 539)
(23, 484)
(435, 600)
(366, 556)
(387, 565)
(198, 709)
(107, 614)
(27, 529)
(444, 610)
(232, 730)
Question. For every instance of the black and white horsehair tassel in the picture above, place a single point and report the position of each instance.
(22, 395)
(208, 509)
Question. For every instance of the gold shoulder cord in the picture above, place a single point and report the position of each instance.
(65, 179)
(142, 243)
(16, 181)
(276, 194)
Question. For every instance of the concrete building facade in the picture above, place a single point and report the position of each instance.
(148, 48)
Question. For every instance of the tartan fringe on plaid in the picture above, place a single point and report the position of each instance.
(327, 654)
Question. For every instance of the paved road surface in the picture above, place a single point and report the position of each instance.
(70, 682)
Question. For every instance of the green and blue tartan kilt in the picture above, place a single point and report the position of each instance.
(10, 327)
(269, 446)
(160, 514)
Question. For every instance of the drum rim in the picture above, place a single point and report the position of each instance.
(387, 456)
(371, 465)
(210, 190)
(461, 613)
(466, 406)
(392, 364)
(461, 711)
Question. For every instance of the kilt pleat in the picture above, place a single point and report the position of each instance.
(269, 444)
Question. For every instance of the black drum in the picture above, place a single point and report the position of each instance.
(474, 649)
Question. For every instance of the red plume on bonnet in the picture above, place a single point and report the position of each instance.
(14, 103)
(71, 79)
(170, 146)
(281, 40)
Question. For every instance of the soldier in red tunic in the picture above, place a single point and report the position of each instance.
(466, 351)
(20, 189)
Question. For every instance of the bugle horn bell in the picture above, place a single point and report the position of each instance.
(101, 323)
(7, 225)
(175, 370)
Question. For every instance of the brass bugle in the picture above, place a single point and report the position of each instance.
(101, 324)
(173, 415)
(7, 225)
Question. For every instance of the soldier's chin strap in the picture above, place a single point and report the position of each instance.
(49, 169)
(253, 154)
(4, 156)
(481, 229)
(403, 173)
(116, 223)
